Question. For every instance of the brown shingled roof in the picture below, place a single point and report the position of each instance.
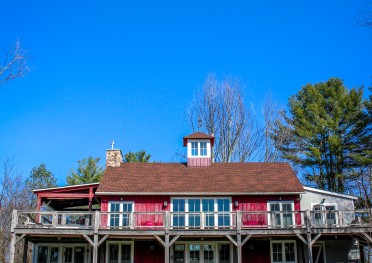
(178, 178)
(198, 135)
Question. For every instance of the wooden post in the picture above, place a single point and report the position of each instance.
(308, 229)
(13, 237)
(167, 224)
(239, 236)
(25, 250)
(166, 248)
(95, 248)
(90, 198)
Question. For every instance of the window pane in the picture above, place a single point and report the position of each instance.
(203, 149)
(79, 254)
(277, 252)
(194, 149)
(67, 253)
(223, 205)
(42, 254)
(179, 253)
(331, 215)
(54, 254)
(208, 254)
(287, 217)
(125, 253)
(224, 253)
(208, 205)
(289, 252)
(113, 253)
(194, 205)
(194, 253)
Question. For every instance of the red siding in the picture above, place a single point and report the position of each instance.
(148, 252)
(259, 203)
(156, 204)
(198, 162)
(256, 252)
(141, 204)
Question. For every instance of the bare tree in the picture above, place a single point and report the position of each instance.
(12, 196)
(219, 110)
(14, 63)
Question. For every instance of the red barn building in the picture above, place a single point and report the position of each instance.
(196, 212)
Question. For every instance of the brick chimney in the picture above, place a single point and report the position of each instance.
(199, 149)
(113, 158)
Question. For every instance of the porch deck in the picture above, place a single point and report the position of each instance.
(195, 223)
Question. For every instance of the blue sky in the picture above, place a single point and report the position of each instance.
(127, 71)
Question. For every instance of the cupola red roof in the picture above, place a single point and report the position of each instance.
(196, 136)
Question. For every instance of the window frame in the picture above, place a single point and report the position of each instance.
(283, 250)
(199, 150)
(60, 247)
(131, 243)
(121, 203)
(324, 214)
(215, 245)
(215, 211)
(281, 214)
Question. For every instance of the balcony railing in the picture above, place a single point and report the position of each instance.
(192, 220)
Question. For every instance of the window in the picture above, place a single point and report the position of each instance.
(179, 253)
(66, 253)
(206, 252)
(201, 212)
(324, 214)
(199, 149)
(119, 252)
(194, 149)
(121, 219)
(203, 149)
(283, 251)
(282, 213)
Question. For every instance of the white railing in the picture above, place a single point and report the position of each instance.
(192, 220)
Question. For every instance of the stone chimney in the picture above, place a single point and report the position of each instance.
(113, 158)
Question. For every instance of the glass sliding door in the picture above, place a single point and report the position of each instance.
(223, 212)
(209, 254)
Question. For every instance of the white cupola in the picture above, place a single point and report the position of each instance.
(199, 149)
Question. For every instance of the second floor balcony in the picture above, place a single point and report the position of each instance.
(191, 221)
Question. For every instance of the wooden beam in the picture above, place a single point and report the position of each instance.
(89, 240)
(232, 240)
(20, 238)
(315, 238)
(367, 237)
(301, 238)
(62, 195)
(103, 240)
(160, 240)
(246, 239)
(174, 240)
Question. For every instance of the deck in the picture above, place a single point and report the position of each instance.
(199, 223)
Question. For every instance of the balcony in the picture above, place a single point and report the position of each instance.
(265, 222)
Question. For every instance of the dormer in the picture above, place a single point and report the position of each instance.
(199, 149)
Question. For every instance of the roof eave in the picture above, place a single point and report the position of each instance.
(199, 193)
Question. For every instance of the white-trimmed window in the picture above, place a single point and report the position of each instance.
(283, 251)
(119, 252)
(198, 212)
(282, 213)
(123, 217)
(324, 214)
(198, 148)
(203, 149)
(202, 251)
(67, 253)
